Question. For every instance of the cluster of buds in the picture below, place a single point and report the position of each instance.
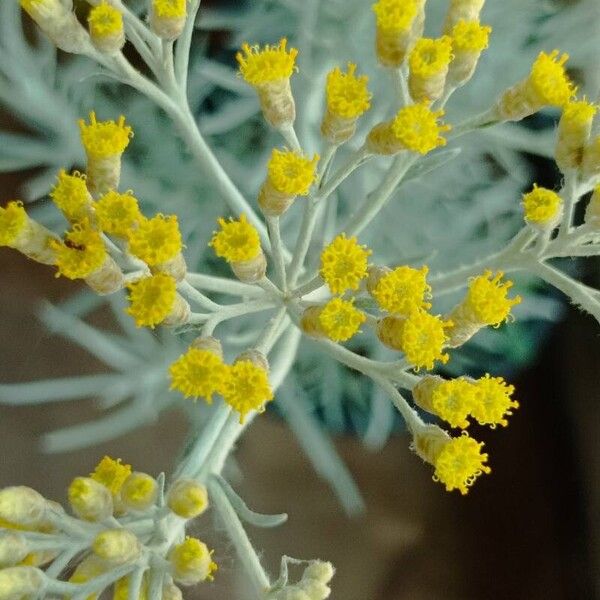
(124, 529)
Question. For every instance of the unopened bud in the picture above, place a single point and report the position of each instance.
(139, 491)
(90, 500)
(13, 548)
(20, 505)
(116, 546)
(187, 498)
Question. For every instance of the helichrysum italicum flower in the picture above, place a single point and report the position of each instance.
(90, 500)
(415, 128)
(81, 254)
(111, 473)
(428, 62)
(542, 208)
(247, 387)
(421, 336)
(289, 174)
(71, 196)
(198, 374)
(547, 85)
(347, 97)
(156, 240)
(13, 548)
(21, 582)
(191, 562)
(469, 40)
(106, 28)
(340, 320)
(117, 214)
(400, 291)
(22, 506)
(344, 264)
(574, 130)
(13, 222)
(104, 143)
(492, 401)
(238, 243)
(154, 300)
(396, 20)
(167, 18)
(462, 10)
(451, 400)
(91, 566)
(139, 491)
(268, 70)
(187, 498)
(116, 546)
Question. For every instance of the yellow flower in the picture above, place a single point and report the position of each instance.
(247, 388)
(117, 213)
(139, 491)
(459, 463)
(103, 139)
(71, 195)
(191, 562)
(578, 113)
(339, 320)
(420, 336)
(111, 473)
(548, 83)
(291, 173)
(121, 591)
(493, 401)
(402, 290)
(417, 129)
(470, 36)
(169, 9)
(13, 220)
(116, 546)
(452, 400)
(198, 373)
(81, 254)
(187, 498)
(487, 300)
(347, 95)
(237, 241)
(156, 240)
(542, 207)
(105, 20)
(271, 63)
(395, 15)
(344, 264)
(152, 299)
(89, 499)
(430, 57)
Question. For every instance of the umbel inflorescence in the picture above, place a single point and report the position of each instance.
(128, 529)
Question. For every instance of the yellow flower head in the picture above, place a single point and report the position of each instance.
(291, 173)
(459, 463)
(71, 196)
(13, 220)
(121, 590)
(548, 80)
(403, 290)
(191, 562)
(117, 213)
(421, 336)
(102, 139)
(156, 240)
(470, 36)
(198, 373)
(81, 254)
(139, 491)
(247, 388)
(430, 57)
(492, 401)
(187, 498)
(340, 320)
(395, 15)
(111, 473)
(152, 299)
(487, 299)
(344, 264)
(542, 206)
(169, 9)
(452, 400)
(271, 63)
(578, 113)
(105, 20)
(348, 96)
(237, 241)
(416, 127)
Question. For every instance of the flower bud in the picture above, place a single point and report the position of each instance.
(320, 570)
(20, 505)
(13, 548)
(191, 562)
(106, 28)
(171, 592)
(20, 582)
(167, 18)
(187, 498)
(90, 500)
(139, 491)
(116, 546)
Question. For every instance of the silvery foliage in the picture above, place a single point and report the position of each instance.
(467, 206)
